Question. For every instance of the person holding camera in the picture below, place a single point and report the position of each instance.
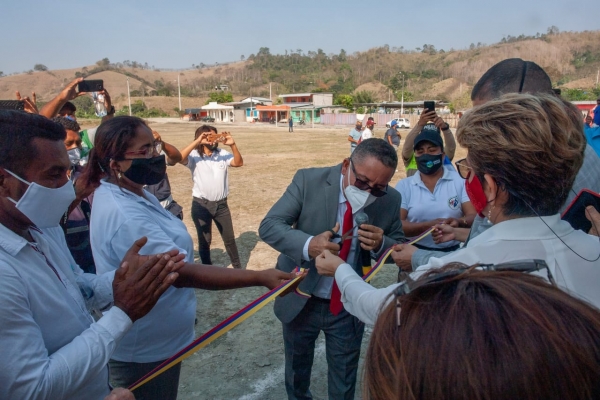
(408, 154)
(209, 166)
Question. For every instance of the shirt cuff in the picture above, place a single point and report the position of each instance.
(116, 322)
(305, 255)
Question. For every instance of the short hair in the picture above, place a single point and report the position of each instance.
(531, 145)
(68, 106)
(378, 148)
(512, 75)
(67, 123)
(17, 131)
(485, 335)
(110, 143)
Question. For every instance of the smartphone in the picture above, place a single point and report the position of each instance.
(575, 213)
(12, 105)
(429, 106)
(94, 85)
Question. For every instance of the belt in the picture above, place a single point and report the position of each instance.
(203, 200)
(320, 299)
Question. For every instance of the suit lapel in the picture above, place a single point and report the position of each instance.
(332, 195)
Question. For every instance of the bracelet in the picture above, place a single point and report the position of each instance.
(464, 220)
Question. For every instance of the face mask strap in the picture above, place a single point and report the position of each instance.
(17, 176)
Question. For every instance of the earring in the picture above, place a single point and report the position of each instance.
(490, 213)
(119, 175)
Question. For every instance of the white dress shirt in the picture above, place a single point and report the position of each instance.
(366, 134)
(209, 173)
(512, 240)
(50, 345)
(119, 218)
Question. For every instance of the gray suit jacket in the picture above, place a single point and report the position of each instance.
(308, 208)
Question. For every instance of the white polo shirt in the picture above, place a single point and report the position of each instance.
(119, 218)
(445, 202)
(209, 173)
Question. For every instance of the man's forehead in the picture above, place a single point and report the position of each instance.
(49, 154)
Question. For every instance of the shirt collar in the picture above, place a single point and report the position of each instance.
(528, 228)
(341, 198)
(10, 241)
(418, 181)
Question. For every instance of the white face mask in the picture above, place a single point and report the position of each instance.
(74, 155)
(44, 206)
(357, 198)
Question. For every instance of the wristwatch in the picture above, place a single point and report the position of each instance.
(111, 111)
(446, 127)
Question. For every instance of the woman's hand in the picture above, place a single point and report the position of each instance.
(271, 278)
(327, 263)
(443, 233)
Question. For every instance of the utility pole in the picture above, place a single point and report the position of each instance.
(270, 91)
(402, 101)
(597, 76)
(129, 96)
(179, 89)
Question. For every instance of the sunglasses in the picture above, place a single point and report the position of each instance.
(148, 152)
(409, 285)
(362, 185)
(464, 170)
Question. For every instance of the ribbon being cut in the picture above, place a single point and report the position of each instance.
(240, 316)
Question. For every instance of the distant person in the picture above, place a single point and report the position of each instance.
(592, 134)
(597, 113)
(209, 166)
(355, 135)
(392, 136)
(483, 335)
(408, 154)
(367, 133)
(291, 124)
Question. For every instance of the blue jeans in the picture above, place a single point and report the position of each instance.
(343, 337)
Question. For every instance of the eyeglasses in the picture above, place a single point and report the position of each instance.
(148, 152)
(362, 185)
(463, 169)
(526, 266)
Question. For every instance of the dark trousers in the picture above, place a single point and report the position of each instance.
(343, 337)
(163, 387)
(203, 213)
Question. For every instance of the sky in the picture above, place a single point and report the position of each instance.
(65, 34)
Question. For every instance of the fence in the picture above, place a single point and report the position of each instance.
(380, 119)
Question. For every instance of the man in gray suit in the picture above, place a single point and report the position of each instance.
(315, 214)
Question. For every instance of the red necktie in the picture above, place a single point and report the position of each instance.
(335, 306)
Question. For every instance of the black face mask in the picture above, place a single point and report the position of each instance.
(147, 171)
(429, 164)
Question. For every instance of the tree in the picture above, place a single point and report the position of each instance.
(242, 57)
(220, 97)
(345, 100)
(553, 30)
(1, 73)
(105, 62)
(364, 96)
(40, 67)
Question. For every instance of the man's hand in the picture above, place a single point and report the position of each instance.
(156, 136)
(107, 101)
(30, 104)
(322, 242)
(402, 256)
(426, 117)
(229, 140)
(70, 91)
(594, 217)
(327, 263)
(120, 394)
(202, 139)
(370, 237)
(141, 280)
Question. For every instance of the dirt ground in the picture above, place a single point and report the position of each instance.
(248, 362)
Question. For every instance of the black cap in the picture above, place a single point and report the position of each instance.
(429, 133)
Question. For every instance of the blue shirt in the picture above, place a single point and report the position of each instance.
(592, 135)
(354, 134)
(597, 115)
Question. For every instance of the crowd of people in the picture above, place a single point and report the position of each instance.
(501, 300)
